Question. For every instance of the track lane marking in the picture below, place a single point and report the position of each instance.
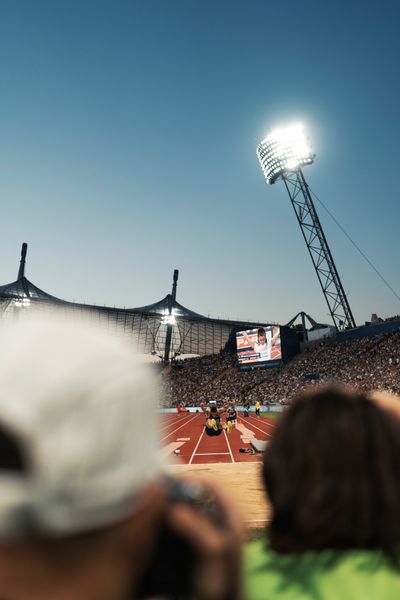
(229, 446)
(211, 453)
(177, 429)
(197, 445)
(255, 427)
(261, 420)
(254, 421)
(168, 422)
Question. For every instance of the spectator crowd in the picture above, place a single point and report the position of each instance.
(369, 363)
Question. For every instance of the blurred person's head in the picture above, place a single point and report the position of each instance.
(332, 475)
(79, 507)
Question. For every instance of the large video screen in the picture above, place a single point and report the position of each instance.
(259, 347)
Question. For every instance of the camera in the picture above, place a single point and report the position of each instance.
(170, 571)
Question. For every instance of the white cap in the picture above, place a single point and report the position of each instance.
(82, 406)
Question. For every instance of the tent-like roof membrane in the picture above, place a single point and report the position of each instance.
(192, 332)
(23, 288)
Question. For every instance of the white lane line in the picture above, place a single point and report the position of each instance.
(211, 453)
(229, 446)
(177, 429)
(187, 420)
(169, 421)
(255, 427)
(263, 421)
(197, 445)
(166, 423)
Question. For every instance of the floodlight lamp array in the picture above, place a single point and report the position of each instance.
(284, 150)
(22, 302)
(168, 318)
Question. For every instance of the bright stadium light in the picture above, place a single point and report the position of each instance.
(22, 302)
(282, 154)
(285, 149)
(168, 319)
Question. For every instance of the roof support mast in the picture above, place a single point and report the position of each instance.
(21, 271)
(170, 318)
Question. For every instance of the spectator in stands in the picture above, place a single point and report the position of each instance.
(331, 473)
(83, 499)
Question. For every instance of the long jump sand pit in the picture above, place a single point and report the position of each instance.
(241, 483)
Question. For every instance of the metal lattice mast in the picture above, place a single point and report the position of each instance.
(318, 248)
(282, 154)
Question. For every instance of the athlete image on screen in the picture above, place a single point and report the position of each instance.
(265, 340)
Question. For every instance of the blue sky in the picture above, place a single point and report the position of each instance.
(128, 148)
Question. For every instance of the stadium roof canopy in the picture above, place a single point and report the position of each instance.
(162, 308)
(23, 288)
(148, 326)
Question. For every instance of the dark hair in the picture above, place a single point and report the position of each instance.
(332, 473)
(261, 331)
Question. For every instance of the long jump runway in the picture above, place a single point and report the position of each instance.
(185, 433)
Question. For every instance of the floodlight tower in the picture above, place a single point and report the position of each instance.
(281, 155)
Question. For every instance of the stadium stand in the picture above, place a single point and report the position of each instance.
(366, 363)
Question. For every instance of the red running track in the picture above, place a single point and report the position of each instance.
(185, 432)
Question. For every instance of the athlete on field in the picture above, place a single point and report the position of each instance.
(231, 414)
(214, 425)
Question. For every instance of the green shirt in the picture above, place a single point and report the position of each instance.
(325, 575)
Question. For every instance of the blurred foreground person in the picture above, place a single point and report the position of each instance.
(332, 474)
(85, 511)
